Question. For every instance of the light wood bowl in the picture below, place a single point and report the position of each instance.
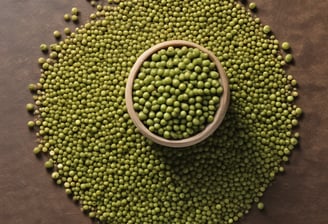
(209, 129)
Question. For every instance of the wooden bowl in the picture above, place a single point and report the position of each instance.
(209, 129)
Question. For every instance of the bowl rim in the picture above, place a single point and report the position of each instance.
(209, 129)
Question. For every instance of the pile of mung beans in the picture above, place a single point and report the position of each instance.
(118, 176)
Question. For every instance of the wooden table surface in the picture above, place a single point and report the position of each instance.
(29, 196)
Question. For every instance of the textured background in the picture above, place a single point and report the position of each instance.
(27, 193)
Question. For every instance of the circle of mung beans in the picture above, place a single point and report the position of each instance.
(117, 175)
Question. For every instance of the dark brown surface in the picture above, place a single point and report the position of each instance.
(29, 196)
